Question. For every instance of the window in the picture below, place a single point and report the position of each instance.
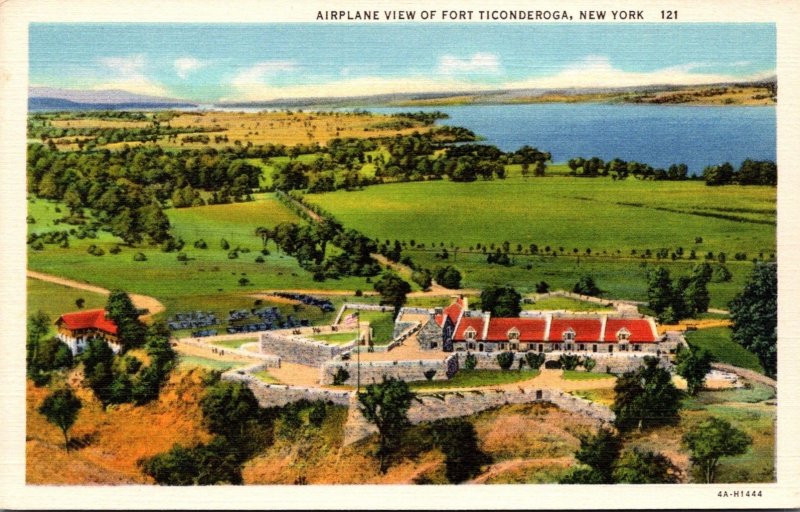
(568, 335)
(594, 348)
(581, 347)
(623, 348)
(471, 346)
(623, 334)
(502, 346)
(513, 334)
(637, 348)
(470, 333)
(514, 346)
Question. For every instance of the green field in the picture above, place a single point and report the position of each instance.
(558, 303)
(233, 343)
(718, 342)
(475, 378)
(54, 299)
(565, 214)
(209, 280)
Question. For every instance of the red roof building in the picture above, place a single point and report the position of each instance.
(75, 329)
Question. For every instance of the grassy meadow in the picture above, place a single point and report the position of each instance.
(718, 342)
(571, 216)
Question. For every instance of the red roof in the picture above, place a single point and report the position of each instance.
(439, 319)
(474, 322)
(530, 329)
(640, 329)
(89, 319)
(586, 329)
(453, 311)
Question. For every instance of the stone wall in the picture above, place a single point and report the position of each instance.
(433, 407)
(299, 350)
(430, 336)
(278, 395)
(616, 363)
(747, 374)
(374, 371)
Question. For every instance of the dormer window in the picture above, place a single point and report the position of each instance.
(568, 335)
(470, 333)
(623, 334)
(513, 334)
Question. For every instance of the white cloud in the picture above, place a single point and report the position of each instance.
(128, 74)
(349, 87)
(478, 63)
(257, 74)
(597, 71)
(187, 65)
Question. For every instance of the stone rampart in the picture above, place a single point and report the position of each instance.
(431, 407)
(300, 350)
(268, 360)
(278, 395)
(374, 371)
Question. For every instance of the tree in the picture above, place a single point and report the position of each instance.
(98, 360)
(470, 361)
(120, 309)
(422, 278)
(645, 397)
(693, 365)
(448, 276)
(227, 409)
(711, 440)
(645, 467)
(695, 294)
(61, 409)
(586, 286)
(38, 326)
(457, 439)
(501, 301)
(542, 287)
(393, 290)
(755, 316)
(599, 452)
(386, 405)
(205, 464)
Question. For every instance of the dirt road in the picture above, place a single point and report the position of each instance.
(140, 301)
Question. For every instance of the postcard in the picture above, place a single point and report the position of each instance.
(355, 255)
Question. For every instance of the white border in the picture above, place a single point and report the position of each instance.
(14, 18)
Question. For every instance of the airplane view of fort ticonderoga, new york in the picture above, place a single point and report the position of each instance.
(401, 254)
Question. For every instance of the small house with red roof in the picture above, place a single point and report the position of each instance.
(456, 328)
(77, 328)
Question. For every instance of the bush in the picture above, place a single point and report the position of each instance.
(505, 360)
(340, 377)
(429, 374)
(259, 259)
(588, 363)
(139, 256)
(182, 256)
(115, 249)
(232, 255)
(534, 359)
(200, 244)
(569, 361)
(224, 245)
(470, 362)
(318, 413)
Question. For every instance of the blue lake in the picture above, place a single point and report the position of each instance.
(657, 135)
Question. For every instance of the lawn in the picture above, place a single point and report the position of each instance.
(266, 377)
(718, 342)
(382, 324)
(476, 378)
(566, 303)
(233, 343)
(577, 375)
(335, 338)
(211, 364)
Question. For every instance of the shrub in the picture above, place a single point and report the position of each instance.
(505, 360)
(588, 363)
(534, 360)
(318, 413)
(232, 255)
(243, 281)
(139, 256)
(569, 361)
(429, 374)
(259, 259)
(182, 256)
(470, 362)
(224, 245)
(340, 377)
(115, 249)
(200, 244)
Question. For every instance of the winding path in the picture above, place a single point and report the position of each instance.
(152, 305)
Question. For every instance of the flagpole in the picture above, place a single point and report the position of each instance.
(358, 355)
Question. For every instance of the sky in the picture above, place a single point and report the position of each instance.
(249, 62)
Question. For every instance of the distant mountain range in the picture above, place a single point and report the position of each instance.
(50, 98)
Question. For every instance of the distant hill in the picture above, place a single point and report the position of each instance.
(51, 98)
